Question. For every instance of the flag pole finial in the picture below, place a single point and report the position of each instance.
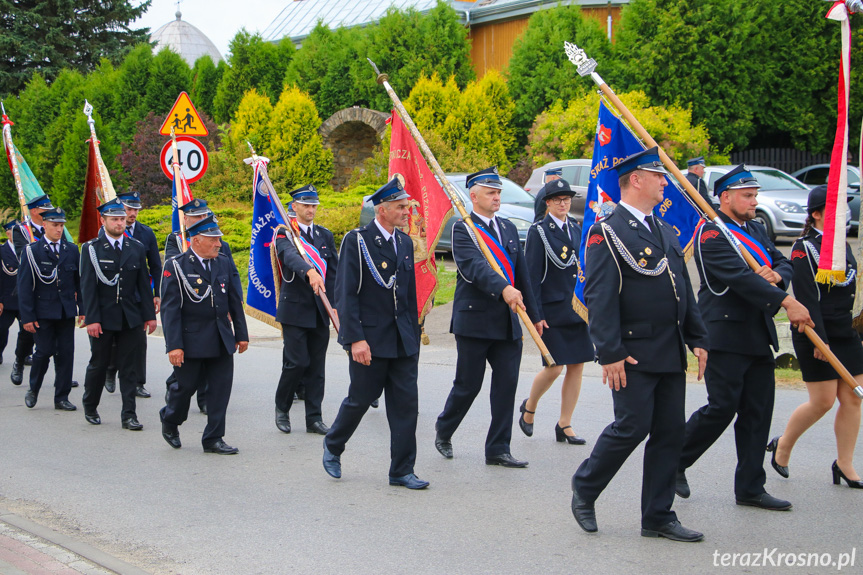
(381, 78)
(88, 111)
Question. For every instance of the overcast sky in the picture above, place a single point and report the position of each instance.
(220, 20)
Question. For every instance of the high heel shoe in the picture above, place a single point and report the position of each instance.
(837, 475)
(561, 436)
(772, 447)
(526, 427)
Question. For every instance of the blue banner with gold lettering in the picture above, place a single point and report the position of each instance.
(613, 143)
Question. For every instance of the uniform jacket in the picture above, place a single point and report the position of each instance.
(9, 277)
(202, 329)
(146, 236)
(368, 311)
(552, 286)
(700, 187)
(39, 300)
(172, 248)
(829, 307)
(651, 319)
(478, 306)
(130, 298)
(298, 303)
(740, 320)
(21, 239)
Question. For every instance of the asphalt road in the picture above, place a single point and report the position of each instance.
(272, 509)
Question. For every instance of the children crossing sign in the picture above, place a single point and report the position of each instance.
(184, 118)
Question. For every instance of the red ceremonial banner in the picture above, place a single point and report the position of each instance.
(90, 224)
(430, 209)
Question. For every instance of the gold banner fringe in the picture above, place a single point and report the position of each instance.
(830, 277)
(264, 317)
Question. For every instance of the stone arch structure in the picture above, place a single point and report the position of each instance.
(352, 134)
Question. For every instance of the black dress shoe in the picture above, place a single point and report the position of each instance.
(140, 391)
(526, 428)
(74, 383)
(675, 531)
(283, 422)
(30, 399)
(561, 436)
(171, 435)
(376, 403)
(443, 445)
(221, 448)
(318, 427)
(332, 463)
(584, 512)
(772, 447)
(17, 375)
(64, 405)
(110, 384)
(410, 481)
(504, 460)
(837, 475)
(93, 418)
(766, 501)
(681, 485)
(132, 424)
(28, 360)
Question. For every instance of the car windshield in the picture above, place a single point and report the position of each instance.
(511, 193)
(772, 180)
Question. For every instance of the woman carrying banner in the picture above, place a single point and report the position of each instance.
(830, 307)
(551, 252)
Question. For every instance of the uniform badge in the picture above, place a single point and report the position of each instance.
(200, 281)
(796, 254)
(384, 265)
(595, 239)
(633, 223)
(563, 255)
(167, 274)
(642, 262)
(648, 251)
(709, 234)
(551, 225)
(565, 249)
(223, 288)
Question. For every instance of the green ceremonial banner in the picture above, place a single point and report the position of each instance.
(30, 184)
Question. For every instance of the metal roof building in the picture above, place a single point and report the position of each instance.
(185, 40)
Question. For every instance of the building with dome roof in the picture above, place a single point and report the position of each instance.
(186, 40)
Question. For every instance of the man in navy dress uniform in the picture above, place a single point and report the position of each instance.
(117, 304)
(642, 317)
(48, 296)
(9, 304)
(484, 320)
(144, 234)
(305, 323)
(193, 212)
(738, 305)
(376, 293)
(551, 175)
(201, 299)
(695, 175)
(37, 206)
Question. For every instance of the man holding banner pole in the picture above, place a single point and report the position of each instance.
(305, 322)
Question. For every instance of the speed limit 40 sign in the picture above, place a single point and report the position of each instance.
(191, 155)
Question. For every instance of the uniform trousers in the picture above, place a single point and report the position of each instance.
(650, 404)
(397, 378)
(54, 337)
(303, 362)
(741, 385)
(140, 360)
(126, 342)
(24, 346)
(218, 374)
(504, 357)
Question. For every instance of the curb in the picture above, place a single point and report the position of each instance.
(86, 551)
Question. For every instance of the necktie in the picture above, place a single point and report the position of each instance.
(654, 227)
(492, 224)
(207, 266)
(54, 249)
(565, 229)
(393, 244)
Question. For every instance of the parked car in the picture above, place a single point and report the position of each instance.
(576, 172)
(816, 174)
(516, 205)
(781, 200)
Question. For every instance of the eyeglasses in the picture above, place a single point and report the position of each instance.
(561, 200)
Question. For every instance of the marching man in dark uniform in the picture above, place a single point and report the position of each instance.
(642, 317)
(116, 304)
(484, 320)
(376, 291)
(551, 175)
(738, 305)
(48, 296)
(551, 253)
(9, 304)
(201, 298)
(144, 234)
(193, 212)
(37, 206)
(695, 175)
(305, 323)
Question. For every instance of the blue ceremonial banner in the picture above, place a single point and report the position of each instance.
(261, 294)
(614, 142)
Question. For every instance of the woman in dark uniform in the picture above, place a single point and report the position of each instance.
(830, 307)
(552, 258)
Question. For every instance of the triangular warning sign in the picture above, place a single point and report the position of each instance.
(184, 118)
